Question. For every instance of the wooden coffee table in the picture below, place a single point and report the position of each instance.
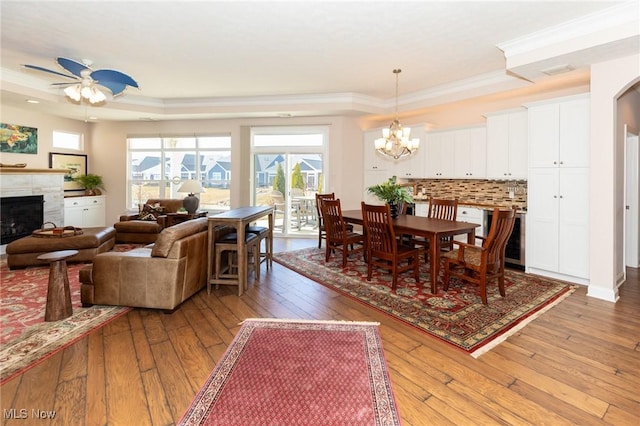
(58, 293)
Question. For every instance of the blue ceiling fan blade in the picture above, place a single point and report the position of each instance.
(74, 67)
(113, 76)
(37, 68)
(114, 88)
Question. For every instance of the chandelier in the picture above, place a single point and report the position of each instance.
(86, 90)
(395, 141)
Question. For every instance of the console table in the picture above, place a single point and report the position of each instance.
(175, 218)
(238, 218)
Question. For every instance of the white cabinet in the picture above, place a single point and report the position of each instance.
(557, 220)
(85, 211)
(373, 160)
(558, 190)
(559, 134)
(373, 177)
(456, 154)
(414, 166)
(470, 153)
(440, 156)
(471, 215)
(408, 168)
(507, 137)
(422, 209)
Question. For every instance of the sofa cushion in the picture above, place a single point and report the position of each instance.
(168, 236)
(151, 212)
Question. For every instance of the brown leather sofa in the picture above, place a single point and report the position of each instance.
(160, 276)
(132, 230)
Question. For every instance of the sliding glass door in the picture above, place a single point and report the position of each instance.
(288, 167)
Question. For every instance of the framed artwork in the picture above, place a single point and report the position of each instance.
(18, 139)
(77, 165)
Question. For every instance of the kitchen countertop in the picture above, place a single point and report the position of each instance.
(482, 206)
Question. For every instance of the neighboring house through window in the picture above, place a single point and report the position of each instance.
(157, 167)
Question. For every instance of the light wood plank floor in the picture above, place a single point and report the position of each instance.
(579, 363)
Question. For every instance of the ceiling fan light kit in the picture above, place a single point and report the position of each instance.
(86, 80)
(396, 141)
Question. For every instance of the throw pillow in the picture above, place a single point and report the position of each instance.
(150, 212)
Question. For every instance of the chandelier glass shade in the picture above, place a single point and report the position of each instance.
(396, 141)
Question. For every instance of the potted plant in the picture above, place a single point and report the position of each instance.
(391, 193)
(90, 183)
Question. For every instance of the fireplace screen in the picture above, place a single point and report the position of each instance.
(19, 216)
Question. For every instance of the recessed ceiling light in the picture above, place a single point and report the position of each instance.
(32, 101)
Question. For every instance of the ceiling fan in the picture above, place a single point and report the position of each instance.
(86, 80)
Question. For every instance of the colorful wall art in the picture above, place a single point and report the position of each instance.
(18, 139)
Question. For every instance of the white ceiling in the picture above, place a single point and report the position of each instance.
(197, 59)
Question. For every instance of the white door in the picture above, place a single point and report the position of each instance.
(544, 135)
(632, 195)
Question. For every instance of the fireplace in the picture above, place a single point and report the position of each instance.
(19, 216)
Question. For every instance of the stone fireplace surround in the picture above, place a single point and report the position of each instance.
(15, 182)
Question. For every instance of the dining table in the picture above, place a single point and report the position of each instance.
(431, 229)
(238, 218)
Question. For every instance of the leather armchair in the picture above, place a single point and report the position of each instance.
(132, 230)
(160, 276)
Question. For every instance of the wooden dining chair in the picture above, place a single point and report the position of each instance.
(338, 236)
(382, 248)
(480, 264)
(321, 231)
(439, 208)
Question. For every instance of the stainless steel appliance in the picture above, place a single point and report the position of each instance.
(515, 251)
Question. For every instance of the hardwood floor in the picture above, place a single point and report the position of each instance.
(579, 363)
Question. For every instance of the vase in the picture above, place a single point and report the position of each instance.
(394, 210)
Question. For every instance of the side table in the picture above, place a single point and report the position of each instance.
(175, 218)
(58, 293)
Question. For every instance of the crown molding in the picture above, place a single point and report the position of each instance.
(615, 18)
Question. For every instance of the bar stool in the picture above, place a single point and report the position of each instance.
(229, 243)
(263, 234)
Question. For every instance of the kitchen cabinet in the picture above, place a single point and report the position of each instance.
(422, 209)
(557, 221)
(85, 212)
(507, 136)
(470, 153)
(414, 166)
(373, 160)
(373, 177)
(558, 190)
(456, 154)
(471, 215)
(440, 154)
(559, 133)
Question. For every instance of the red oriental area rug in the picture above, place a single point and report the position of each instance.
(297, 372)
(456, 317)
(25, 338)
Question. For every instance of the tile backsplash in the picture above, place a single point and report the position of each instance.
(475, 191)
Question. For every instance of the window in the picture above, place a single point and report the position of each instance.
(157, 167)
(66, 140)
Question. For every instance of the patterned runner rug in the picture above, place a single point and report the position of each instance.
(25, 338)
(457, 316)
(297, 372)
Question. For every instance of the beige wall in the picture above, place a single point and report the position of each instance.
(609, 80)
(45, 124)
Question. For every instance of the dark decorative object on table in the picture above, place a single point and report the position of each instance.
(191, 202)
